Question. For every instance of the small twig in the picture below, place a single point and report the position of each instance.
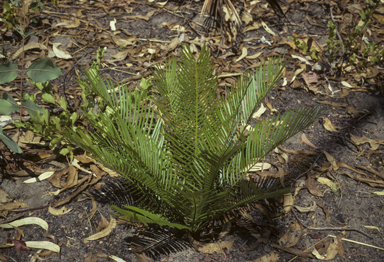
(328, 228)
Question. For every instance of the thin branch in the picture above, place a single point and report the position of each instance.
(328, 228)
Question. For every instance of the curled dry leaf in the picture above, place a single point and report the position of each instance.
(267, 28)
(291, 236)
(305, 140)
(4, 197)
(373, 227)
(255, 55)
(28, 47)
(58, 212)
(259, 112)
(244, 53)
(311, 208)
(312, 187)
(105, 232)
(329, 126)
(332, 185)
(332, 160)
(12, 206)
(210, 248)
(288, 202)
(362, 140)
(60, 53)
(43, 245)
(379, 193)
(271, 257)
(27, 221)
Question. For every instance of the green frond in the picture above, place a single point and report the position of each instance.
(141, 216)
(186, 157)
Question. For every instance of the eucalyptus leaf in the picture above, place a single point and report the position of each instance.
(7, 107)
(44, 70)
(8, 72)
(10, 143)
(32, 107)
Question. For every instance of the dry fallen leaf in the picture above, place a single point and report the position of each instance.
(259, 112)
(60, 53)
(362, 140)
(43, 176)
(291, 236)
(27, 221)
(43, 245)
(311, 208)
(332, 185)
(305, 140)
(58, 212)
(312, 187)
(329, 126)
(271, 257)
(288, 202)
(267, 28)
(112, 224)
(331, 160)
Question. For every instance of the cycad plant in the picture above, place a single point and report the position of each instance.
(186, 153)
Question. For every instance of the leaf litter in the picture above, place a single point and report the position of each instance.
(135, 43)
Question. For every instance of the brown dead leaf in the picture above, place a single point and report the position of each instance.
(4, 197)
(58, 212)
(271, 257)
(143, 257)
(362, 140)
(352, 111)
(324, 210)
(312, 187)
(28, 47)
(12, 206)
(55, 179)
(340, 246)
(311, 208)
(332, 251)
(90, 258)
(244, 53)
(102, 224)
(72, 179)
(305, 140)
(288, 202)
(291, 236)
(138, 17)
(331, 160)
(111, 225)
(210, 248)
(369, 181)
(310, 78)
(329, 126)
(372, 170)
(332, 185)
